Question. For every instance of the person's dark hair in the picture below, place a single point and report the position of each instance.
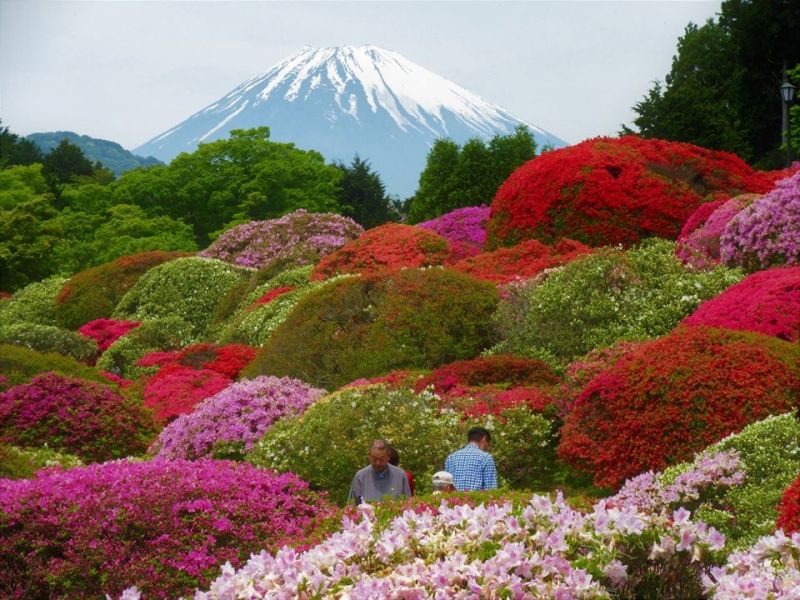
(476, 434)
(394, 457)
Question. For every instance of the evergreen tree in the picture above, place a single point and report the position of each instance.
(16, 150)
(65, 162)
(362, 195)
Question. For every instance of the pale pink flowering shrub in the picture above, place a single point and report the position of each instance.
(230, 422)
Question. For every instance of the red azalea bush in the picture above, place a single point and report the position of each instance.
(698, 218)
(163, 526)
(271, 295)
(388, 247)
(522, 261)
(89, 420)
(614, 191)
(227, 360)
(789, 511)
(496, 404)
(674, 396)
(765, 302)
(106, 331)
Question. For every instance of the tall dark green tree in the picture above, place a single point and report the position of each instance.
(362, 195)
(16, 150)
(65, 162)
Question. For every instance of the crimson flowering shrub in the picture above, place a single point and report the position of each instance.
(501, 370)
(388, 247)
(228, 360)
(765, 302)
(674, 396)
(229, 423)
(164, 526)
(766, 233)
(700, 247)
(271, 295)
(464, 228)
(295, 239)
(614, 191)
(524, 260)
(87, 419)
(789, 512)
(698, 218)
(106, 331)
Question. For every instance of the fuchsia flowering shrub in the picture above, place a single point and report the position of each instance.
(295, 239)
(164, 526)
(230, 422)
(464, 228)
(765, 302)
(767, 233)
(83, 418)
(107, 331)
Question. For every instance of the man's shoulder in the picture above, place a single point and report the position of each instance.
(363, 472)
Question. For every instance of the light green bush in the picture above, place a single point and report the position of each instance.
(48, 338)
(19, 365)
(33, 304)
(22, 463)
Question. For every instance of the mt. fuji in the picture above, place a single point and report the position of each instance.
(350, 100)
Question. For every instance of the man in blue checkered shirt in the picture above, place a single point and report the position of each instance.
(472, 466)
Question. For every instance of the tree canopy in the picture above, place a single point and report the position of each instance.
(362, 195)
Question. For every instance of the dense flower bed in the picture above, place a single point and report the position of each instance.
(106, 331)
(32, 304)
(464, 228)
(367, 326)
(228, 423)
(700, 246)
(614, 191)
(164, 526)
(87, 419)
(388, 247)
(765, 302)
(522, 261)
(789, 516)
(676, 395)
(295, 239)
(766, 233)
(94, 293)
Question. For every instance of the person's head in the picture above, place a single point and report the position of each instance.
(443, 482)
(480, 437)
(394, 457)
(379, 455)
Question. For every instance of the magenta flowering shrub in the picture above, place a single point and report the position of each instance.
(767, 233)
(295, 239)
(164, 526)
(765, 302)
(87, 419)
(230, 422)
(700, 248)
(464, 228)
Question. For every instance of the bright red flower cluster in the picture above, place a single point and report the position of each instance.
(388, 247)
(271, 295)
(789, 510)
(494, 404)
(674, 396)
(524, 260)
(614, 190)
(107, 331)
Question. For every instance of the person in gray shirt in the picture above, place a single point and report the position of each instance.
(379, 479)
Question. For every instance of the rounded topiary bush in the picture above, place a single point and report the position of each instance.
(32, 304)
(463, 228)
(187, 288)
(597, 300)
(522, 261)
(94, 293)
(23, 463)
(48, 338)
(388, 247)
(366, 326)
(765, 302)
(87, 419)
(765, 233)
(230, 422)
(674, 396)
(614, 191)
(19, 365)
(789, 516)
(295, 239)
(163, 526)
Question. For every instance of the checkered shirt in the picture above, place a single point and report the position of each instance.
(472, 469)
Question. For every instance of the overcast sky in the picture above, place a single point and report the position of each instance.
(127, 71)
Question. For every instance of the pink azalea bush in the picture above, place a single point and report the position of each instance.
(107, 331)
(87, 419)
(295, 239)
(233, 420)
(164, 526)
(464, 228)
(767, 233)
(765, 302)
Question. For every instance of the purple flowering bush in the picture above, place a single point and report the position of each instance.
(464, 228)
(164, 526)
(229, 423)
(767, 233)
(295, 239)
(87, 419)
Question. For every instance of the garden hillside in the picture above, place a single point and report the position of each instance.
(186, 395)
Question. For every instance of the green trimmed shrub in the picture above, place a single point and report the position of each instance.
(189, 288)
(770, 454)
(365, 326)
(19, 365)
(608, 296)
(94, 293)
(22, 463)
(32, 304)
(48, 338)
